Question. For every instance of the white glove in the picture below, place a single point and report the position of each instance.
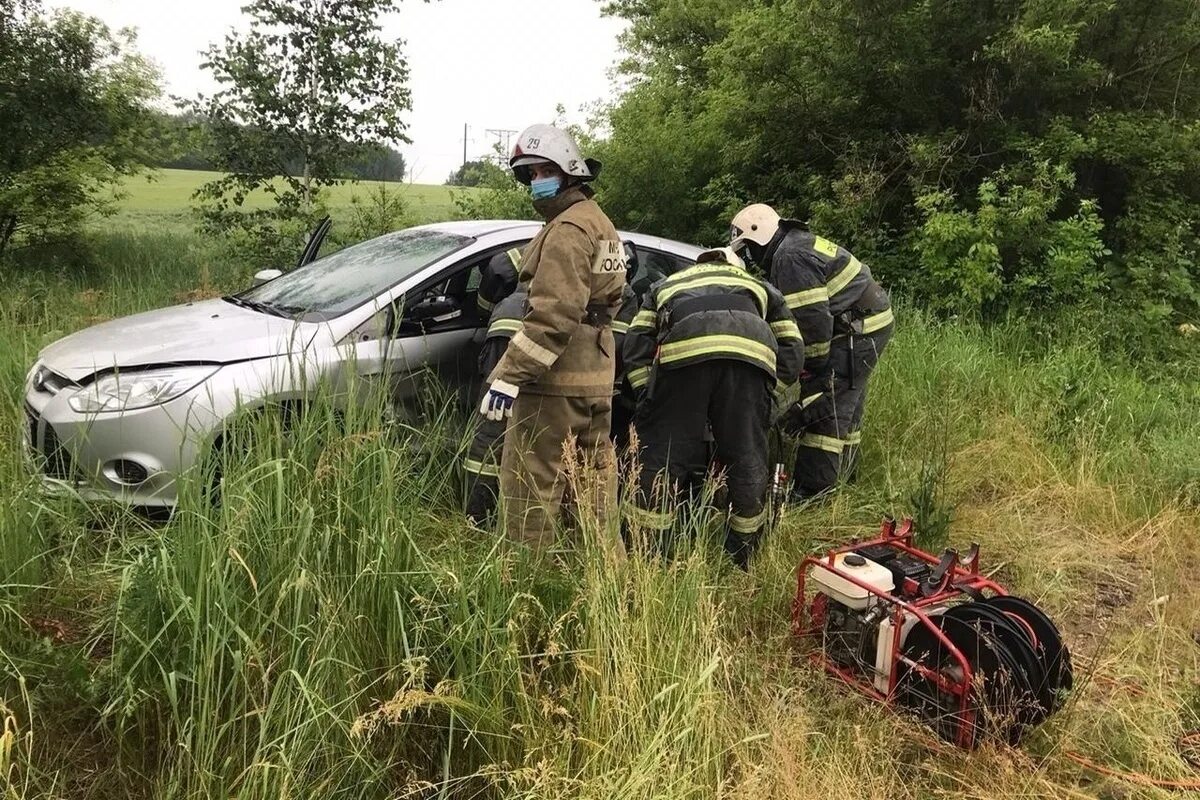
(498, 402)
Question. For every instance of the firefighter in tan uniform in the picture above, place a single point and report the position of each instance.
(556, 378)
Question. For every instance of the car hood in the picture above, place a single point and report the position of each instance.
(212, 331)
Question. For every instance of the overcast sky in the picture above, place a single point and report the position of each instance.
(498, 64)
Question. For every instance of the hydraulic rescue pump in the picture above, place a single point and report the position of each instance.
(932, 635)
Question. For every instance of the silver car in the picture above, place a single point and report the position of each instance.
(120, 409)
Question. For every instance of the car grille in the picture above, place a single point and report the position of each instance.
(31, 426)
(55, 383)
(56, 460)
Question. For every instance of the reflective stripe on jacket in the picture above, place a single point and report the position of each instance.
(506, 317)
(820, 281)
(713, 311)
(497, 281)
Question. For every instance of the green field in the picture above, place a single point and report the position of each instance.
(334, 629)
(164, 195)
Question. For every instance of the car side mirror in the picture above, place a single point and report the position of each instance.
(435, 309)
(264, 275)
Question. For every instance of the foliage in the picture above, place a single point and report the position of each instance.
(474, 173)
(74, 119)
(380, 210)
(309, 80)
(498, 196)
(186, 143)
(984, 157)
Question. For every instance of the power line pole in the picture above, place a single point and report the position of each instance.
(464, 144)
(503, 137)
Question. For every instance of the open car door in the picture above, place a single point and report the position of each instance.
(315, 239)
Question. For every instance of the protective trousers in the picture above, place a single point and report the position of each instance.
(734, 399)
(548, 437)
(482, 466)
(830, 443)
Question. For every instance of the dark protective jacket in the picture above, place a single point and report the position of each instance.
(620, 324)
(574, 272)
(823, 283)
(503, 324)
(497, 280)
(713, 311)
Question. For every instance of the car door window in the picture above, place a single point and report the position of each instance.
(446, 304)
(654, 265)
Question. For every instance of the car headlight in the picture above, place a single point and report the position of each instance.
(123, 391)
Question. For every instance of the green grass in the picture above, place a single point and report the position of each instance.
(333, 629)
(152, 198)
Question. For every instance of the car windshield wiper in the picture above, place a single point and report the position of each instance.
(260, 306)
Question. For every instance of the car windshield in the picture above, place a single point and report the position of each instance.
(342, 281)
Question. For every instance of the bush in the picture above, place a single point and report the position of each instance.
(989, 157)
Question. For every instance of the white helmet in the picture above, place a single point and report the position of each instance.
(721, 255)
(541, 144)
(755, 223)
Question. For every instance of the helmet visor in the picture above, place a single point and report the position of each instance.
(526, 161)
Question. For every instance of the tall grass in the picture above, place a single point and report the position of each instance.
(332, 628)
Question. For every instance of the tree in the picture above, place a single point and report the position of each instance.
(474, 173)
(1015, 155)
(310, 80)
(74, 118)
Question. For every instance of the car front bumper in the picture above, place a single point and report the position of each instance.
(133, 457)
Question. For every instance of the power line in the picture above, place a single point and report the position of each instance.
(501, 149)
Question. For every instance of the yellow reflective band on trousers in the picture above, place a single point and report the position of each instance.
(853, 439)
(745, 525)
(509, 326)
(877, 322)
(652, 520)
(645, 319)
(717, 345)
(816, 350)
(480, 468)
(806, 298)
(843, 278)
(829, 444)
(723, 279)
(786, 329)
(639, 377)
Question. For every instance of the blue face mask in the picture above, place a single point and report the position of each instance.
(541, 188)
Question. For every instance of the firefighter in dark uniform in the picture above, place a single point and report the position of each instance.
(624, 401)
(708, 348)
(503, 309)
(846, 320)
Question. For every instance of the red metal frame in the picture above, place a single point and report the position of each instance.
(961, 580)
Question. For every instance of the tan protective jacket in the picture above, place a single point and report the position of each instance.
(574, 271)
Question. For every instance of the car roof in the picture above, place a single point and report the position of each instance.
(480, 228)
